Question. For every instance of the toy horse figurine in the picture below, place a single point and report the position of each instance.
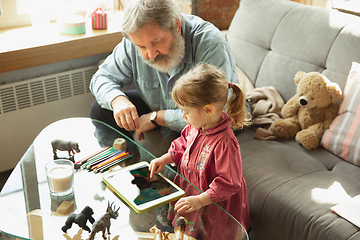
(180, 227)
(103, 223)
(158, 234)
(63, 145)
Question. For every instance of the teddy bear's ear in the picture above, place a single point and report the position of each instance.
(333, 89)
(298, 76)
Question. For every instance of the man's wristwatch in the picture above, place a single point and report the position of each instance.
(153, 116)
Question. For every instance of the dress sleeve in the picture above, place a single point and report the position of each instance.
(228, 173)
(178, 146)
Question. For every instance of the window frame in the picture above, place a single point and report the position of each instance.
(10, 17)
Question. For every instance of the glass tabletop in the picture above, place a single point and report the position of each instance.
(28, 211)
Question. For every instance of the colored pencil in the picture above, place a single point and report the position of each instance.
(107, 167)
(115, 161)
(103, 154)
(83, 160)
(104, 158)
(100, 155)
(109, 160)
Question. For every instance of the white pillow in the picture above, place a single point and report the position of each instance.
(343, 136)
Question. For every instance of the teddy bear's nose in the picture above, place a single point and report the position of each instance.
(303, 102)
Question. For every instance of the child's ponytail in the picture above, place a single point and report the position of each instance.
(236, 109)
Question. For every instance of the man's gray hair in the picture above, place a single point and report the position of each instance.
(140, 12)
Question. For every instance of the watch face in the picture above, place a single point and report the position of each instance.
(153, 116)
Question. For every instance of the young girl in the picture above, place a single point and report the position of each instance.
(207, 154)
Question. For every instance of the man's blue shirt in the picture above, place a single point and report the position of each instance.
(204, 43)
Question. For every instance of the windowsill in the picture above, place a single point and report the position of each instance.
(25, 47)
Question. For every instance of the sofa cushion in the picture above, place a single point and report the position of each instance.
(300, 208)
(273, 39)
(282, 178)
(342, 137)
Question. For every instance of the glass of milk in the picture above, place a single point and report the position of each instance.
(60, 178)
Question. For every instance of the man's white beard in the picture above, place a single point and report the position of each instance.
(177, 53)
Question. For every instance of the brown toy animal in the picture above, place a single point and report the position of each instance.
(180, 227)
(310, 111)
(103, 223)
(158, 234)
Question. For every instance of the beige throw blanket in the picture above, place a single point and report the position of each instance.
(266, 104)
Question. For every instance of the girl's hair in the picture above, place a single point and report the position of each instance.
(206, 84)
(140, 12)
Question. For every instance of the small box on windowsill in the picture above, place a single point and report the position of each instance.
(99, 19)
(74, 24)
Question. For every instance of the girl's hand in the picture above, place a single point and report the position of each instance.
(158, 164)
(192, 203)
(188, 204)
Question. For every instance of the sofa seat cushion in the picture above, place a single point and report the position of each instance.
(281, 177)
(301, 208)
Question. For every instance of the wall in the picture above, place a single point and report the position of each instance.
(218, 12)
(44, 70)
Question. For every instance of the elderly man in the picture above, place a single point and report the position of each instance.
(160, 45)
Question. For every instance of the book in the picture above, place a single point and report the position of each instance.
(349, 210)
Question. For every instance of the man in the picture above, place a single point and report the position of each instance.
(160, 45)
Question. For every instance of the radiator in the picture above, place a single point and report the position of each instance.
(27, 107)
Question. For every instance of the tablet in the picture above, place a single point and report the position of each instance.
(137, 189)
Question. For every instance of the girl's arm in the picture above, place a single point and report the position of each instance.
(192, 203)
(158, 164)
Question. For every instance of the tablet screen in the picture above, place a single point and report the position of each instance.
(134, 185)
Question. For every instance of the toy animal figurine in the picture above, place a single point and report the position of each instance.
(158, 234)
(80, 219)
(180, 227)
(63, 145)
(103, 222)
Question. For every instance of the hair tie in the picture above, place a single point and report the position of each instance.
(231, 84)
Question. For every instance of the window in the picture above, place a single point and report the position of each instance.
(18, 12)
(15, 13)
(11, 15)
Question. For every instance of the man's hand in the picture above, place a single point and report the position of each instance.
(125, 113)
(145, 125)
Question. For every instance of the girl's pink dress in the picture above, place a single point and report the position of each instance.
(210, 159)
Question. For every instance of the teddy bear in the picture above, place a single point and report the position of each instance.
(310, 111)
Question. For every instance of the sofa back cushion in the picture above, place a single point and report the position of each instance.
(272, 40)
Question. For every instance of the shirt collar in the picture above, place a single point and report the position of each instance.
(225, 123)
(185, 31)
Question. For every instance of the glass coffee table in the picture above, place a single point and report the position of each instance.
(28, 212)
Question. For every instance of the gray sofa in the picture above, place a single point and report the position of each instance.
(272, 40)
